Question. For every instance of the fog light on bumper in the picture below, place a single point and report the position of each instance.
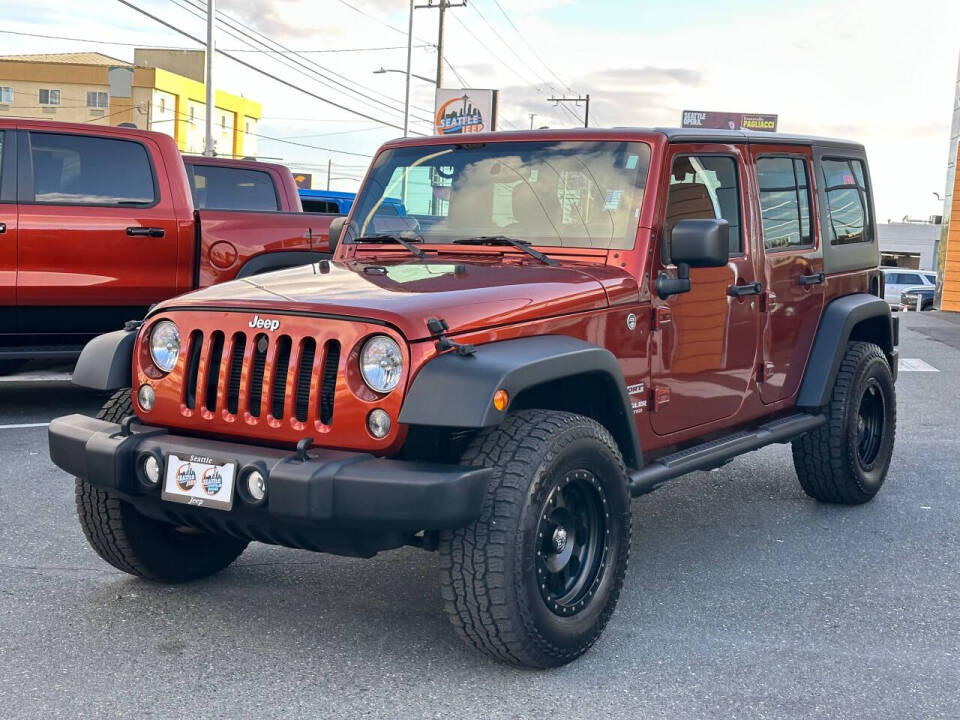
(378, 423)
(256, 486)
(150, 467)
(146, 397)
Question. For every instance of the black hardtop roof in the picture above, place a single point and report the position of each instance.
(749, 136)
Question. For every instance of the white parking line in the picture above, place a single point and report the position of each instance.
(916, 365)
(17, 426)
(37, 377)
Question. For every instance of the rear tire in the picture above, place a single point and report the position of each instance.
(846, 460)
(536, 578)
(139, 545)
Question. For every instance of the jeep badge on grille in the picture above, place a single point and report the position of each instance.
(259, 322)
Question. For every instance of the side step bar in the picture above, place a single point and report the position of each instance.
(711, 454)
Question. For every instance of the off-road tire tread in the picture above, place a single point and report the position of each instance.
(473, 577)
(822, 458)
(104, 519)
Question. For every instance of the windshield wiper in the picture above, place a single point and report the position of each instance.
(407, 242)
(504, 240)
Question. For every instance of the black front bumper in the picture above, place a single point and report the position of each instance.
(346, 502)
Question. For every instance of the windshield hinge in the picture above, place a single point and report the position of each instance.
(437, 328)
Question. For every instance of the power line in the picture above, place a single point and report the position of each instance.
(523, 39)
(288, 63)
(246, 64)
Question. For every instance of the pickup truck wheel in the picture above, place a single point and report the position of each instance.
(536, 578)
(140, 545)
(846, 460)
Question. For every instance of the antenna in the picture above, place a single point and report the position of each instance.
(312, 264)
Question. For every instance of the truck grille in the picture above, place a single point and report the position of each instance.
(255, 375)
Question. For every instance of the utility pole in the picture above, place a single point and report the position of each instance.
(441, 5)
(406, 96)
(329, 171)
(211, 95)
(532, 116)
(576, 100)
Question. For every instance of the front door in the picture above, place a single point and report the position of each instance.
(793, 266)
(98, 232)
(706, 339)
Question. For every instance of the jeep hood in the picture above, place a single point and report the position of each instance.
(469, 294)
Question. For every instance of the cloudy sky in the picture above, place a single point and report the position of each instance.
(878, 71)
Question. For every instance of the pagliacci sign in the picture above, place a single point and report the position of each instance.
(710, 120)
(459, 111)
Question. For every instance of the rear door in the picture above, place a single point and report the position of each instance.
(98, 231)
(8, 229)
(793, 265)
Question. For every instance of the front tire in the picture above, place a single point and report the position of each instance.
(536, 578)
(846, 460)
(139, 545)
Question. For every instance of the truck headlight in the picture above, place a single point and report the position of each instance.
(165, 345)
(381, 363)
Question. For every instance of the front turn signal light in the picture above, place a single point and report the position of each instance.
(501, 399)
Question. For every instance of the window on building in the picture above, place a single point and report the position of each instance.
(223, 122)
(784, 202)
(97, 99)
(163, 105)
(6, 94)
(222, 188)
(704, 187)
(84, 170)
(49, 97)
(848, 205)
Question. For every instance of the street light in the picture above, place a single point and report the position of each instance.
(381, 71)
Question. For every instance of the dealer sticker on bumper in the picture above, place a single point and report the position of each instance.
(200, 481)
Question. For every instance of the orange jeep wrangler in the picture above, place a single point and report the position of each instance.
(562, 320)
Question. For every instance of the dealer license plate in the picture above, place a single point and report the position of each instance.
(200, 481)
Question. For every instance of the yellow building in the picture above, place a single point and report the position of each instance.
(161, 90)
(948, 287)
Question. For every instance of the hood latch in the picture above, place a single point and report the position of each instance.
(437, 328)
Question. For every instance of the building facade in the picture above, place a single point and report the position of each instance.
(161, 90)
(948, 261)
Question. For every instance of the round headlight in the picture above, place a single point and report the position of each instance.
(165, 345)
(381, 363)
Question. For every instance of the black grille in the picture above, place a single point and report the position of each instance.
(236, 370)
(329, 381)
(280, 371)
(261, 343)
(213, 369)
(307, 355)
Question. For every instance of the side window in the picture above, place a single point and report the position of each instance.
(86, 170)
(328, 207)
(703, 187)
(227, 188)
(784, 202)
(1, 158)
(848, 206)
(911, 279)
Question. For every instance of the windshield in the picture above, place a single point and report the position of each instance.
(562, 194)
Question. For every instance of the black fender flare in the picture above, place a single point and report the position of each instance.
(453, 390)
(106, 362)
(838, 325)
(265, 262)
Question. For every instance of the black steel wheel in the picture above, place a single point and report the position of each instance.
(572, 542)
(846, 460)
(536, 578)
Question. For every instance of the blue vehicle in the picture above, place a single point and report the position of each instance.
(332, 202)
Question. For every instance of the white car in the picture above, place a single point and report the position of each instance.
(898, 279)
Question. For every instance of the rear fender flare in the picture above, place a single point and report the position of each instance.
(853, 317)
(457, 391)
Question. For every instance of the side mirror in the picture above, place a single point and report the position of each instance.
(694, 244)
(336, 231)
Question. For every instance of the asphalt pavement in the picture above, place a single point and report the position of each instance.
(744, 598)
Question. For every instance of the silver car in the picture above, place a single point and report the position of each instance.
(898, 279)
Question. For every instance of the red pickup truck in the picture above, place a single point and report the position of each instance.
(99, 223)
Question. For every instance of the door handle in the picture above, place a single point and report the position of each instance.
(754, 288)
(3, 228)
(153, 232)
(815, 279)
